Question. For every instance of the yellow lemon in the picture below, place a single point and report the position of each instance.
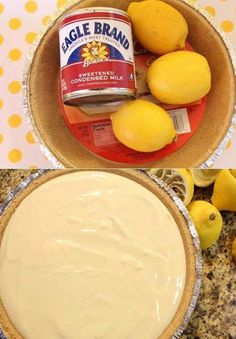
(233, 172)
(203, 177)
(179, 78)
(234, 250)
(159, 27)
(179, 180)
(207, 220)
(224, 193)
(143, 126)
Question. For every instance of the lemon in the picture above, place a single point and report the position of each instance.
(179, 78)
(224, 193)
(233, 172)
(143, 126)
(234, 250)
(159, 27)
(203, 177)
(179, 180)
(207, 220)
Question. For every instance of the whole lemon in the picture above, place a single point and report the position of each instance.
(224, 193)
(159, 27)
(179, 78)
(207, 220)
(143, 126)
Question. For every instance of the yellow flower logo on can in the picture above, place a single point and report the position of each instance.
(95, 52)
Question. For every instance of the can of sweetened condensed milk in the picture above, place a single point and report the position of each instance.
(97, 57)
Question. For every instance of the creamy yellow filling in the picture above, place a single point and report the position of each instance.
(91, 255)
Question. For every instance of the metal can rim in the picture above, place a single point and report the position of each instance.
(93, 9)
(86, 93)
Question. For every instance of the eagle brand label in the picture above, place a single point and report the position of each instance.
(96, 51)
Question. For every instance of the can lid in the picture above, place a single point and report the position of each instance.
(94, 10)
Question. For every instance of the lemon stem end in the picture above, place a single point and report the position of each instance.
(212, 217)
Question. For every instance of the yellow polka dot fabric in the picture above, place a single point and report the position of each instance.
(20, 21)
(224, 13)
